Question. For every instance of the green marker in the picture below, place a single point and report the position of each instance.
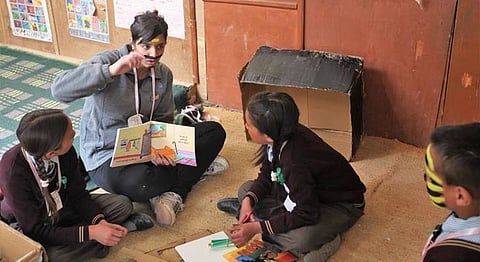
(216, 243)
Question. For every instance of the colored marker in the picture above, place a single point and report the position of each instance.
(216, 243)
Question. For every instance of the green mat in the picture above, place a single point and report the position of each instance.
(25, 80)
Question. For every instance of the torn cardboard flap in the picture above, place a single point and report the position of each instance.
(327, 88)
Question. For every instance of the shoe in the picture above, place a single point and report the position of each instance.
(325, 252)
(102, 251)
(138, 222)
(217, 167)
(166, 206)
(189, 116)
(230, 205)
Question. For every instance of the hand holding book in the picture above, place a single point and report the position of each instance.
(161, 143)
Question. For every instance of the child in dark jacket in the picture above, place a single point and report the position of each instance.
(44, 192)
(306, 192)
(452, 176)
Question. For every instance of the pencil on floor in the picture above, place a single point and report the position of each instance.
(215, 243)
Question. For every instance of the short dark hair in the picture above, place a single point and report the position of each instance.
(458, 148)
(147, 26)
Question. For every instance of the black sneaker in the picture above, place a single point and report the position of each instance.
(138, 222)
(230, 205)
(102, 251)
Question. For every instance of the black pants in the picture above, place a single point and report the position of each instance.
(116, 209)
(141, 182)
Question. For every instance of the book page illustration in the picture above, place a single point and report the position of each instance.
(132, 145)
(174, 141)
(140, 143)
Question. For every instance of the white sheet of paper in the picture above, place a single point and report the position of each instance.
(199, 251)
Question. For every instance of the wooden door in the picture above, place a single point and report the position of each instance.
(462, 93)
(405, 46)
(234, 29)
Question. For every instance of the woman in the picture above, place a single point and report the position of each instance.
(127, 87)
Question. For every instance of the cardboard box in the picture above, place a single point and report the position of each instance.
(327, 88)
(15, 246)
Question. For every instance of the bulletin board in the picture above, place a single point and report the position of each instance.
(82, 28)
(30, 19)
(178, 53)
(87, 19)
(7, 36)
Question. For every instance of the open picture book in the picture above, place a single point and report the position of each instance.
(138, 144)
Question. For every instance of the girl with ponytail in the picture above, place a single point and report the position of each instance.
(44, 193)
(305, 194)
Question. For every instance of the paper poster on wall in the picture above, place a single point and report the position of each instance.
(171, 10)
(88, 19)
(29, 19)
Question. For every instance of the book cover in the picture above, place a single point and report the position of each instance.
(137, 144)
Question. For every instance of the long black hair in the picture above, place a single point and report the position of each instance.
(40, 132)
(276, 115)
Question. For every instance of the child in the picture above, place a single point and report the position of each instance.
(452, 175)
(306, 193)
(44, 193)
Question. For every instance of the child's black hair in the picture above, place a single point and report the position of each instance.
(276, 115)
(458, 148)
(40, 132)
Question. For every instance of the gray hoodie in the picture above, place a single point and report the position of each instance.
(109, 102)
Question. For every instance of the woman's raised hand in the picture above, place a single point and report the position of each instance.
(126, 63)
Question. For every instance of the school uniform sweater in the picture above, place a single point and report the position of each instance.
(23, 200)
(110, 101)
(463, 248)
(315, 174)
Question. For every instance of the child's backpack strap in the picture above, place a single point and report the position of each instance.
(452, 239)
(460, 243)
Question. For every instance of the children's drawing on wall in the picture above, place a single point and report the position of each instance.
(29, 19)
(88, 19)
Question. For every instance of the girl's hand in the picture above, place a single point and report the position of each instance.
(246, 215)
(246, 211)
(107, 233)
(126, 63)
(240, 234)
